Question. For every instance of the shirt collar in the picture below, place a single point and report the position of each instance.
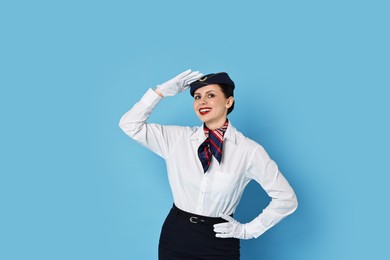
(229, 135)
(220, 130)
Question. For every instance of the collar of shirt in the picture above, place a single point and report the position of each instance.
(220, 130)
(230, 134)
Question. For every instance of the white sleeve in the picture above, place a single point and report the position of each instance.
(283, 198)
(155, 137)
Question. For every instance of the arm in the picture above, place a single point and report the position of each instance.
(283, 200)
(133, 123)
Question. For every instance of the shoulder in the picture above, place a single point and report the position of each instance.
(185, 129)
(181, 130)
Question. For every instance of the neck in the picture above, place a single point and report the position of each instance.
(215, 125)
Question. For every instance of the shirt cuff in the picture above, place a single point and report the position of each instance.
(151, 98)
(255, 228)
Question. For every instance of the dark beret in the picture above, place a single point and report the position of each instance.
(214, 78)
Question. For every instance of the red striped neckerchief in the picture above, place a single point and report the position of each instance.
(212, 145)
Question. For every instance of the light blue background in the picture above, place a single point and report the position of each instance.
(312, 87)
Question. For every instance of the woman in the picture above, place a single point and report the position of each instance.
(208, 168)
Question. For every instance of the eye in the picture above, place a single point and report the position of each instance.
(211, 95)
(196, 97)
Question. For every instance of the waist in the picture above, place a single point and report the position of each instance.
(196, 219)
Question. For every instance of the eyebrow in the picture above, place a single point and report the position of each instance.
(208, 91)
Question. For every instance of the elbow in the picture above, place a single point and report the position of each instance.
(294, 203)
(289, 204)
(126, 125)
(129, 127)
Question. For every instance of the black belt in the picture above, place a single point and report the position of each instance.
(197, 219)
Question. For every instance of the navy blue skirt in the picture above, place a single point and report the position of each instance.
(187, 236)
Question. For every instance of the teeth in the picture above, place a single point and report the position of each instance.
(204, 110)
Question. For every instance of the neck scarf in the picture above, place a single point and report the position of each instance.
(212, 146)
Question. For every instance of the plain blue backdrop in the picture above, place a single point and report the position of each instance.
(312, 87)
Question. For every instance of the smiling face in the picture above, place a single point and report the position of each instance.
(211, 105)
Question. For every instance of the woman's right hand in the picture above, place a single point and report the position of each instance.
(179, 83)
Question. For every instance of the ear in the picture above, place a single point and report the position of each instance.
(229, 102)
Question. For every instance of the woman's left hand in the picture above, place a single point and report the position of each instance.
(230, 229)
(179, 83)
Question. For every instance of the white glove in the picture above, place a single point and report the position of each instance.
(179, 83)
(233, 228)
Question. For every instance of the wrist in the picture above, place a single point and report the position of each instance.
(158, 92)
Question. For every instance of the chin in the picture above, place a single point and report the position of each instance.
(203, 119)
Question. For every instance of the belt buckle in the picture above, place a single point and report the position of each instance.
(194, 220)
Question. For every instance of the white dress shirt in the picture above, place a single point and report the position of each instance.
(218, 191)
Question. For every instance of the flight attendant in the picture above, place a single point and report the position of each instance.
(208, 168)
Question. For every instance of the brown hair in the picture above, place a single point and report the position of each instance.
(228, 92)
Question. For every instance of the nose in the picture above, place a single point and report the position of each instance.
(202, 101)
